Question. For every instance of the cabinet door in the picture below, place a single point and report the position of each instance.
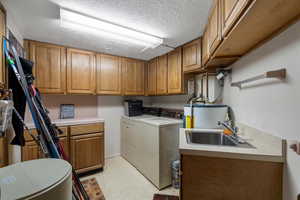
(2, 33)
(80, 72)
(65, 143)
(205, 48)
(162, 75)
(133, 77)
(108, 74)
(231, 11)
(152, 77)
(175, 83)
(31, 151)
(191, 56)
(128, 67)
(140, 78)
(87, 152)
(214, 28)
(50, 67)
(3, 152)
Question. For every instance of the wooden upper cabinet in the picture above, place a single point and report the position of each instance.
(140, 77)
(231, 11)
(133, 76)
(191, 56)
(108, 75)
(162, 75)
(249, 23)
(175, 75)
(214, 27)
(129, 77)
(152, 73)
(205, 48)
(50, 67)
(2, 33)
(80, 71)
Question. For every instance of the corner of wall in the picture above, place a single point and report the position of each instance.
(11, 23)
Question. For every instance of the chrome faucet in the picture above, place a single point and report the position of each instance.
(234, 130)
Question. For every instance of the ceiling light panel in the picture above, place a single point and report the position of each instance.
(73, 19)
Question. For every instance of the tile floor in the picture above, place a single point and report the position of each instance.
(121, 181)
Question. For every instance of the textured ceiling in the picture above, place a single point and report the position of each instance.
(177, 21)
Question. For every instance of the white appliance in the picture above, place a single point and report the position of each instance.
(37, 180)
(205, 116)
(151, 145)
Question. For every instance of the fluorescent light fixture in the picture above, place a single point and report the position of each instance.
(75, 20)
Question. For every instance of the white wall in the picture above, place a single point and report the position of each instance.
(272, 106)
(11, 25)
(173, 101)
(111, 108)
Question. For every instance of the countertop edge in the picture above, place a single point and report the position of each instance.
(70, 122)
(230, 155)
(143, 117)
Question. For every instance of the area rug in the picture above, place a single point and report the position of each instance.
(164, 197)
(93, 190)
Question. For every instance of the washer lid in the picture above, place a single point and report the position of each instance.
(25, 179)
(206, 105)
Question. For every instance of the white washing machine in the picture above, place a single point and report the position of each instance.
(40, 179)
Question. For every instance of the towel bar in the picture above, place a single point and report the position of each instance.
(279, 74)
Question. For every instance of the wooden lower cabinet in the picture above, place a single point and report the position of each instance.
(65, 143)
(87, 147)
(31, 151)
(83, 145)
(209, 178)
(3, 151)
(87, 152)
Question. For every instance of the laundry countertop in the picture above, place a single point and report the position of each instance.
(69, 122)
(267, 147)
(154, 120)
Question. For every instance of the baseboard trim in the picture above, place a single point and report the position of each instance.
(112, 156)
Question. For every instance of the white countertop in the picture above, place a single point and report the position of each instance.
(267, 147)
(154, 120)
(69, 122)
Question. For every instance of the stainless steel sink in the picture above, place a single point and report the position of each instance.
(213, 138)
